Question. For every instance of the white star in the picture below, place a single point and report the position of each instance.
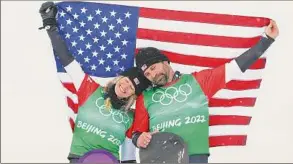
(117, 35)
(101, 61)
(123, 56)
(95, 53)
(117, 49)
(102, 48)
(113, 13)
(110, 41)
(62, 14)
(127, 15)
(90, 18)
(83, 10)
(111, 27)
(96, 25)
(115, 62)
(81, 24)
(87, 60)
(122, 68)
(103, 33)
(95, 40)
(88, 46)
(68, 8)
(73, 44)
(68, 21)
(108, 69)
(67, 35)
(119, 21)
(75, 29)
(105, 19)
(80, 51)
(81, 37)
(88, 32)
(98, 12)
(124, 42)
(125, 28)
(109, 55)
(61, 27)
(75, 16)
(93, 67)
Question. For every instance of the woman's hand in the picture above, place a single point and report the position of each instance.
(48, 12)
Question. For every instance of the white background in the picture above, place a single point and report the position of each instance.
(34, 126)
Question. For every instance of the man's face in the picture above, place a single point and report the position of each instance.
(158, 73)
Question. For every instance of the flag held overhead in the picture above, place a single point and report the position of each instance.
(103, 38)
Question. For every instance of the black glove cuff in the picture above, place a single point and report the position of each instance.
(50, 22)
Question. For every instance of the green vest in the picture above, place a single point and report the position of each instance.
(181, 108)
(99, 128)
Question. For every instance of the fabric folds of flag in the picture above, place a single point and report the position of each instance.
(104, 38)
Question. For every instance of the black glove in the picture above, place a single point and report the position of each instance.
(48, 13)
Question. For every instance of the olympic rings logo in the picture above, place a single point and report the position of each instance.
(117, 116)
(171, 94)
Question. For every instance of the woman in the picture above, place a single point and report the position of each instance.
(104, 115)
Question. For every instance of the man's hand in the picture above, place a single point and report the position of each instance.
(144, 139)
(272, 30)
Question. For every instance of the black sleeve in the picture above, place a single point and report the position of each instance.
(245, 60)
(71, 66)
(135, 136)
(60, 47)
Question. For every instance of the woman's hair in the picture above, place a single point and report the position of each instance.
(129, 100)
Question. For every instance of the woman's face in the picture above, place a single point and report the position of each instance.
(124, 88)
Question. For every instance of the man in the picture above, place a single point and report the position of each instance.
(179, 102)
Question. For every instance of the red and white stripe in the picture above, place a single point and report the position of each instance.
(195, 41)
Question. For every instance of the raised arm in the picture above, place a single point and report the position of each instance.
(212, 80)
(245, 60)
(48, 13)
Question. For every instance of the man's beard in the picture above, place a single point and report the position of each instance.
(160, 80)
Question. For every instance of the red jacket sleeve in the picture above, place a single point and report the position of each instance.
(211, 80)
(129, 131)
(141, 116)
(86, 89)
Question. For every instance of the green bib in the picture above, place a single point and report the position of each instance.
(181, 108)
(99, 128)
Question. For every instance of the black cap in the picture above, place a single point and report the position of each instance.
(139, 81)
(149, 56)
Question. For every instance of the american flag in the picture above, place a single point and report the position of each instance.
(104, 38)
